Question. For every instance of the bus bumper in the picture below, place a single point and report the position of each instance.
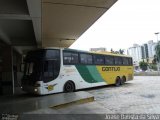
(33, 90)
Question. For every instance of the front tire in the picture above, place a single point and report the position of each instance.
(69, 87)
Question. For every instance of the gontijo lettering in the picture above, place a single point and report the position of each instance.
(110, 68)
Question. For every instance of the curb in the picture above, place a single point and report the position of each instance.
(76, 102)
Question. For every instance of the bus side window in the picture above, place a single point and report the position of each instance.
(67, 58)
(125, 61)
(86, 58)
(70, 57)
(130, 61)
(98, 59)
(109, 60)
(118, 60)
(75, 58)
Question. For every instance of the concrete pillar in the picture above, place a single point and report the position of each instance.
(7, 70)
(17, 60)
(0, 70)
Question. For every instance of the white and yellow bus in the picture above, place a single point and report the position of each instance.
(65, 70)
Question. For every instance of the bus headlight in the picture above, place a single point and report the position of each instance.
(35, 90)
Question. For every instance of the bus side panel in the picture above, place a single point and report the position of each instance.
(70, 72)
(67, 73)
(109, 73)
(90, 75)
(86, 76)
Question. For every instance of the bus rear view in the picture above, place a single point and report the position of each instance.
(41, 66)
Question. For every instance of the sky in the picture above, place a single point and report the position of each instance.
(127, 22)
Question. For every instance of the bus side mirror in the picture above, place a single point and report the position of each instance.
(22, 67)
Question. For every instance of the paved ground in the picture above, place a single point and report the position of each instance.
(26, 104)
(142, 95)
(147, 73)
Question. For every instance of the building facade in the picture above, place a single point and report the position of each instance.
(143, 52)
(136, 54)
(151, 49)
(101, 49)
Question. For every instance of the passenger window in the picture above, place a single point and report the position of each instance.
(74, 58)
(118, 61)
(99, 59)
(125, 61)
(130, 61)
(70, 57)
(86, 58)
(109, 60)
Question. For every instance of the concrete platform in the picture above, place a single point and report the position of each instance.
(27, 103)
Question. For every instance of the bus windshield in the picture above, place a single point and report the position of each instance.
(33, 67)
(42, 65)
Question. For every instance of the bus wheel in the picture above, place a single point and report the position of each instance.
(123, 80)
(69, 86)
(118, 81)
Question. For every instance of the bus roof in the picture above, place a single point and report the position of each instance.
(83, 51)
(101, 53)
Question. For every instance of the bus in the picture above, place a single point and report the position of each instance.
(48, 71)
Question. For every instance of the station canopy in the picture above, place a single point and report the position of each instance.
(28, 24)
